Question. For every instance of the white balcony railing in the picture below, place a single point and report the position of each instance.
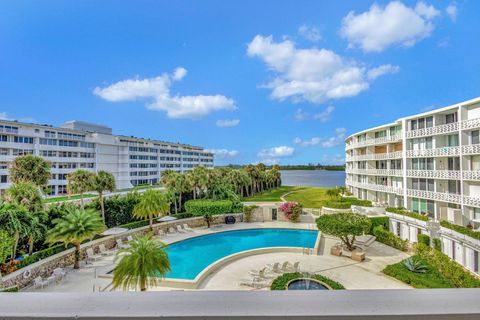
(470, 124)
(376, 156)
(437, 152)
(471, 201)
(431, 195)
(471, 175)
(441, 129)
(377, 172)
(375, 187)
(374, 141)
(471, 149)
(437, 174)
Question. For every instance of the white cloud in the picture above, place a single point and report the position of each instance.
(310, 33)
(223, 153)
(381, 70)
(300, 115)
(157, 90)
(452, 12)
(228, 123)
(5, 116)
(324, 116)
(329, 142)
(394, 24)
(276, 152)
(334, 159)
(313, 75)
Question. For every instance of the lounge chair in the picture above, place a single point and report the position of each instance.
(160, 233)
(129, 238)
(92, 256)
(296, 267)
(40, 282)
(171, 230)
(186, 227)
(179, 229)
(275, 267)
(262, 273)
(256, 283)
(59, 274)
(285, 266)
(104, 252)
(122, 245)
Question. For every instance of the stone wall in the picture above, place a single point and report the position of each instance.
(45, 267)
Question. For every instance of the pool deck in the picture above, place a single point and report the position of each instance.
(353, 275)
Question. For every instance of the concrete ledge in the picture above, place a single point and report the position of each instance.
(442, 304)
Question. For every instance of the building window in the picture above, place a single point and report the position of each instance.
(475, 137)
(451, 118)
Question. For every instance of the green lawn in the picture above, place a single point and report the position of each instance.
(65, 198)
(308, 197)
(431, 279)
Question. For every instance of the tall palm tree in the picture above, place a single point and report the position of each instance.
(74, 227)
(103, 181)
(198, 179)
(25, 194)
(30, 168)
(251, 170)
(36, 231)
(182, 186)
(153, 203)
(79, 182)
(141, 265)
(16, 220)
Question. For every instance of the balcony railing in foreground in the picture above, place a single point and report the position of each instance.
(442, 304)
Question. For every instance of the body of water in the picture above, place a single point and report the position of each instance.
(189, 257)
(313, 178)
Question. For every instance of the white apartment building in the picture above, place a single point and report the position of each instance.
(81, 145)
(428, 163)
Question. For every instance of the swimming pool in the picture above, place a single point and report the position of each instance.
(189, 257)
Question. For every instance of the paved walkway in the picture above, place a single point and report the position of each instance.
(366, 275)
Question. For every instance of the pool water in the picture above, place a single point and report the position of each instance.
(189, 257)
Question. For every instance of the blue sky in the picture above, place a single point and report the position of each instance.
(271, 81)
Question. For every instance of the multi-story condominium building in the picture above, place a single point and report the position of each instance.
(428, 163)
(80, 145)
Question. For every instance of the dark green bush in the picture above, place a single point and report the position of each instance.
(135, 224)
(460, 229)
(455, 273)
(346, 203)
(9, 289)
(437, 244)
(39, 255)
(432, 278)
(208, 207)
(281, 282)
(183, 215)
(379, 221)
(390, 239)
(423, 238)
(407, 213)
(119, 209)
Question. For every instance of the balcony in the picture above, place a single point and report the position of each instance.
(471, 201)
(374, 141)
(375, 187)
(434, 174)
(470, 124)
(439, 196)
(441, 129)
(437, 152)
(376, 156)
(471, 175)
(377, 172)
(471, 149)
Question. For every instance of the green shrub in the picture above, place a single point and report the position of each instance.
(281, 282)
(183, 215)
(212, 207)
(390, 239)
(460, 229)
(437, 244)
(423, 238)
(248, 212)
(135, 224)
(432, 278)
(407, 213)
(346, 203)
(455, 273)
(379, 221)
(9, 289)
(42, 254)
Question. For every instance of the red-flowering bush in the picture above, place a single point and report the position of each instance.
(292, 210)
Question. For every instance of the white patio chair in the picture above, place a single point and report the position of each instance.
(160, 233)
(40, 282)
(92, 256)
(285, 266)
(275, 267)
(104, 252)
(296, 267)
(171, 230)
(179, 229)
(186, 227)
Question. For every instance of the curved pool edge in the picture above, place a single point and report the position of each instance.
(207, 271)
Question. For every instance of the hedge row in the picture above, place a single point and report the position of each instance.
(423, 238)
(390, 239)
(208, 207)
(463, 230)
(346, 203)
(455, 273)
(379, 221)
(42, 254)
(407, 213)
(281, 282)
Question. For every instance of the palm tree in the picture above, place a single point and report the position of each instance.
(36, 231)
(30, 168)
(79, 182)
(25, 194)
(142, 265)
(251, 170)
(16, 220)
(74, 227)
(103, 181)
(153, 203)
(198, 179)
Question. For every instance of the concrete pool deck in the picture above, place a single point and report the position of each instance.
(353, 275)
